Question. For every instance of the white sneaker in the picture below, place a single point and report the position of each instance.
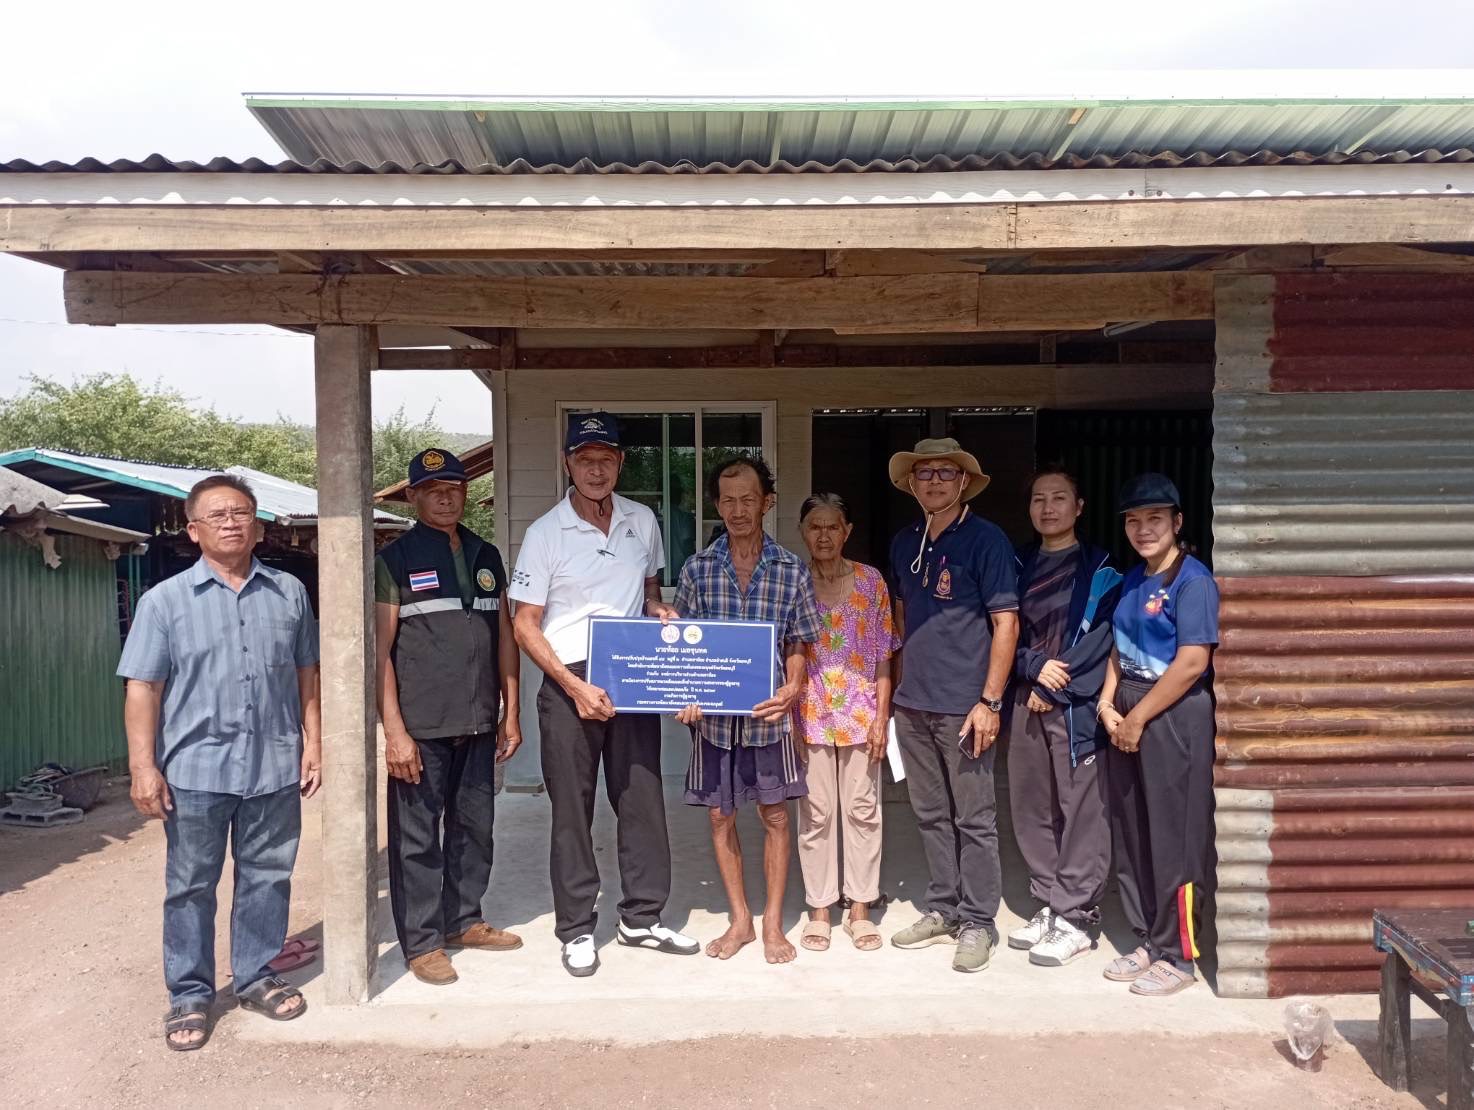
(580, 957)
(658, 939)
(1030, 934)
(1063, 943)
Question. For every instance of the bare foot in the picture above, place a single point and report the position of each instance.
(730, 943)
(776, 947)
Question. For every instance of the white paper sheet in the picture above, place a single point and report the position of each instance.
(893, 752)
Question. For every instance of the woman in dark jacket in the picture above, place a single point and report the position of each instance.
(1056, 775)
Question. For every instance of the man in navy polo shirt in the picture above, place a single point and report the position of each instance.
(957, 606)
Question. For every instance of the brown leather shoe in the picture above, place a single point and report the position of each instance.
(433, 968)
(482, 935)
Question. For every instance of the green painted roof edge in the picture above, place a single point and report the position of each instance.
(41, 454)
(858, 104)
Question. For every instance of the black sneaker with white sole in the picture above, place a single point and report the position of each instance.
(657, 938)
(580, 957)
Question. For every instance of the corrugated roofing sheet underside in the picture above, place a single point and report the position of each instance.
(375, 135)
(1166, 159)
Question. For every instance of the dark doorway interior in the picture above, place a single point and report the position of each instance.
(1104, 448)
(851, 450)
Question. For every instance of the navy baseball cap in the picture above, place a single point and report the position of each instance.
(1148, 491)
(585, 428)
(435, 464)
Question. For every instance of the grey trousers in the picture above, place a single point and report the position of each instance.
(957, 815)
(1059, 814)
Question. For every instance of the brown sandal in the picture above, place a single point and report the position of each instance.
(815, 936)
(864, 933)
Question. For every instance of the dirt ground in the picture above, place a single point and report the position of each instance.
(80, 980)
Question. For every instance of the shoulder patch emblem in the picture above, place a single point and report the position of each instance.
(433, 460)
(485, 579)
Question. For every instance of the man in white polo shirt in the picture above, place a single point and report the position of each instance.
(596, 554)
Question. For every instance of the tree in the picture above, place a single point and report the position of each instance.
(112, 415)
(397, 441)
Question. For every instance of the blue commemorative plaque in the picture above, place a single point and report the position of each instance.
(726, 667)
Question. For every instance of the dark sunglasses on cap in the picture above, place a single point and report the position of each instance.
(945, 473)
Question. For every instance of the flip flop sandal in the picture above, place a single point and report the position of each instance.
(266, 995)
(291, 959)
(301, 944)
(865, 935)
(1163, 979)
(1128, 968)
(186, 1019)
(815, 936)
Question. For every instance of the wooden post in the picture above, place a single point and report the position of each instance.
(1394, 1025)
(345, 357)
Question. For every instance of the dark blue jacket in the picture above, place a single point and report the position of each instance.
(1087, 649)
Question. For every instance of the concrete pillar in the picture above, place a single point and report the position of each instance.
(345, 357)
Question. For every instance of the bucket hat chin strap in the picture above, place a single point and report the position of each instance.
(926, 529)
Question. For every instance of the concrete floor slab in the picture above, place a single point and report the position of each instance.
(643, 997)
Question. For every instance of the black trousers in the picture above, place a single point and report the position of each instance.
(628, 746)
(1059, 813)
(1162, 822)
(436, 883)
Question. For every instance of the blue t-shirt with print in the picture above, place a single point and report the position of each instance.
(1153, 619)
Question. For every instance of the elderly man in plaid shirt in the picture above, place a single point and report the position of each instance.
(745, 575)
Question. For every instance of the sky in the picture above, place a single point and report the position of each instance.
(125, 81)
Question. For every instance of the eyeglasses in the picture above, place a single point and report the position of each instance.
(944, 473)
(222, 516)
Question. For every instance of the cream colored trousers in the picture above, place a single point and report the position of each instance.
(844, 789)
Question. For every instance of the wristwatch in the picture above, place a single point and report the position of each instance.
(995, 704)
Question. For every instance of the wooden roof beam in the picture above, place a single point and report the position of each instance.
(1137, 224)
(903, 303)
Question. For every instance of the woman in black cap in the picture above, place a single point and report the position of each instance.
(1157, 708)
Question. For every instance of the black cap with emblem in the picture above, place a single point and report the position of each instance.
(435, 464)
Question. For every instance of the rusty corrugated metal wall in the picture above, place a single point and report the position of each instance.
(59, 645)
(1343, 480)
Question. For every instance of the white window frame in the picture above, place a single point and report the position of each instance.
(767, 411)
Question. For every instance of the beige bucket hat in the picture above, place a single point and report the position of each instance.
(937, 450)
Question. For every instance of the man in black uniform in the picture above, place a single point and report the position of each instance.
(447, 691)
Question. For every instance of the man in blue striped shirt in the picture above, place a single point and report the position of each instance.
(745, 575)
(224, 740)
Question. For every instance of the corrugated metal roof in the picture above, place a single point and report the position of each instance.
(374, 130)
(21, 496)
(1131, 160)
(277, 499)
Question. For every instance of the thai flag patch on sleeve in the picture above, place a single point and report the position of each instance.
(424, 580)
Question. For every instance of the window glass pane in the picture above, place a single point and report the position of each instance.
(660, 472)
(724, 434)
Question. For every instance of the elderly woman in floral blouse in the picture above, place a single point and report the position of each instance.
(842, 720)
